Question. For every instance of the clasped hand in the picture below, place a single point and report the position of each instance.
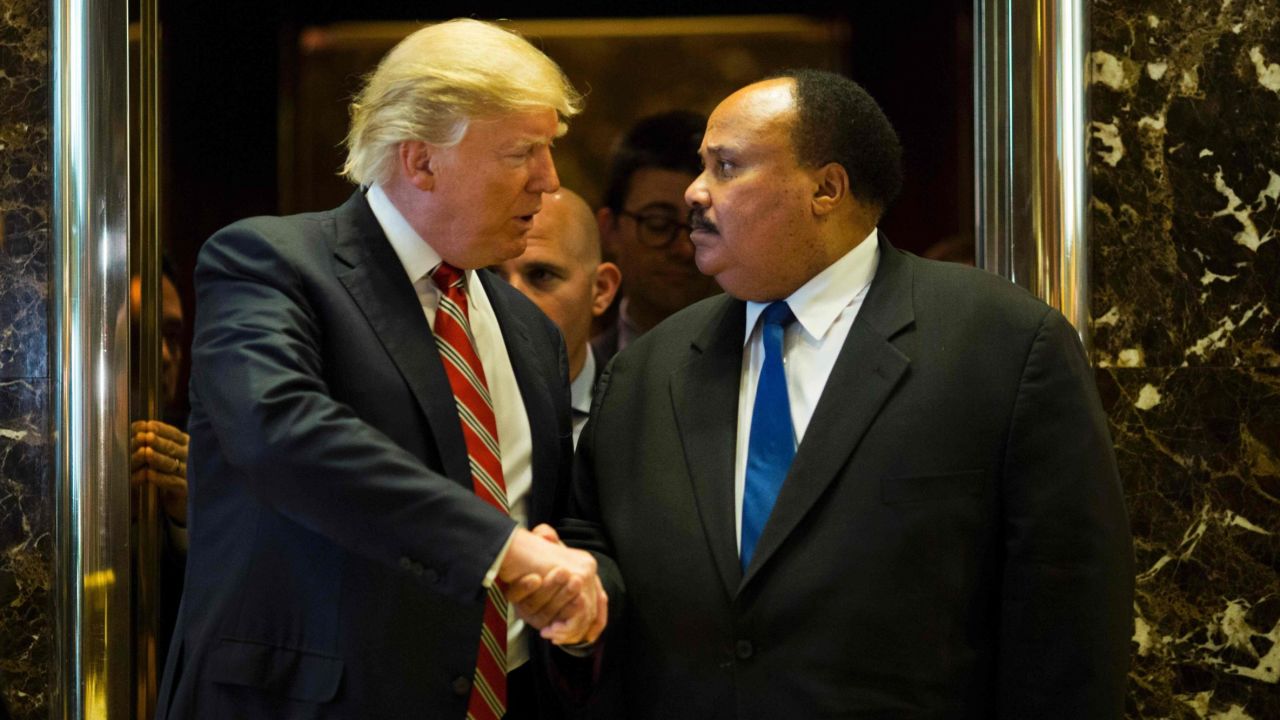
(554, 588)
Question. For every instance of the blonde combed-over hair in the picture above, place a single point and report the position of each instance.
(434, 82)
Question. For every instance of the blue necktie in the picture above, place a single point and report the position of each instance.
(771, 444)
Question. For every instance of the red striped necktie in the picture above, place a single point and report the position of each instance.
(457, 346)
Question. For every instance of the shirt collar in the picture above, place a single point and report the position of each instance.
(818, 303)
(580, 388)
(417, 257)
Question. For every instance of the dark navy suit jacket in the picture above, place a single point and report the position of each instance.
(337, 549)
(950, 542)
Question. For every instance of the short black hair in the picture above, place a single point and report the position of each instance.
(838, 121)
(668, 141)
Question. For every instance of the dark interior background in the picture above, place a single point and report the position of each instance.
(225, 65)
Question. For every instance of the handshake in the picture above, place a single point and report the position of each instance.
(554, 588)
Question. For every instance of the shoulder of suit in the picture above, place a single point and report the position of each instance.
(682, 327)
(266, 236)
(281, 228)
(963, 291)
(692, 319)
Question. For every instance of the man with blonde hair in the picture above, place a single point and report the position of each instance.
(375, 422)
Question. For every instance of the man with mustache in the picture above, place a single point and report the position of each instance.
(642, 226)
(376, 424)
(755, 478)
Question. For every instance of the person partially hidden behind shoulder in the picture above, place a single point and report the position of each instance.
(562, 272)
(861, 484)
(375, 422)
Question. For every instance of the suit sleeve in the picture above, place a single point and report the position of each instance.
(590, 682)
(582, 527)
(1067, 589)
(259, 374)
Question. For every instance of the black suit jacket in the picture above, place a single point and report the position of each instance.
(951, 541)
(337, 549)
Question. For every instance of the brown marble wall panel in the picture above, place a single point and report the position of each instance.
(25, 494)
(1185, 162)
(24, 189)
(1198, 453)
(26, 557)
(1185, 166)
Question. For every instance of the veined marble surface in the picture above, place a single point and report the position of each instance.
(26, 557)
(1185, 162)
(1199, 452)
(24, 189)
(1185, 263)
(26, 553)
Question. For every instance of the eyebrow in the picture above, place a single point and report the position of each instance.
(718, 152)
(545, 265)
(528, 141)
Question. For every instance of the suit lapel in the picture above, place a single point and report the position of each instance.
(377, 283)
(705, 397)
(865, 374)
(535, 385)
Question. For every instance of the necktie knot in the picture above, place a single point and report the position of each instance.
(778, 313)
(447, 276)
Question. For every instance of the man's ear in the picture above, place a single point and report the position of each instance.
(608, 279)
(831, 187)
(417, 161)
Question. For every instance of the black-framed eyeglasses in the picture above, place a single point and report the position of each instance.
(656, 229)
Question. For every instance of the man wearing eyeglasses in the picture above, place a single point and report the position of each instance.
(644, 225)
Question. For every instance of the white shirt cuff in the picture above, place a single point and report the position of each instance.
(492, 576)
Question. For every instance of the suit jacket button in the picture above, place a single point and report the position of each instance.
(406, 563)
(430, 575)
(743, 649)
(461, 686)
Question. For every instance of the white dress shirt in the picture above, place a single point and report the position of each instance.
(580, 394)
(825, 308)
(514, 438)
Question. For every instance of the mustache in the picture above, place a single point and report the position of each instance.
(698, 221)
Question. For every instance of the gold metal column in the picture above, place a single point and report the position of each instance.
(1032, 183)
(89, 335)
(145, 400)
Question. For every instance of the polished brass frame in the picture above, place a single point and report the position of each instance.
(145, 400)
(89, 338)
(1030, 138)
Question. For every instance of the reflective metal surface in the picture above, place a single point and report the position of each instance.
(89, 324)
(1032, 189)
(145, 402)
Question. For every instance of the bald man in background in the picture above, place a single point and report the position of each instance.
(562, 273)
